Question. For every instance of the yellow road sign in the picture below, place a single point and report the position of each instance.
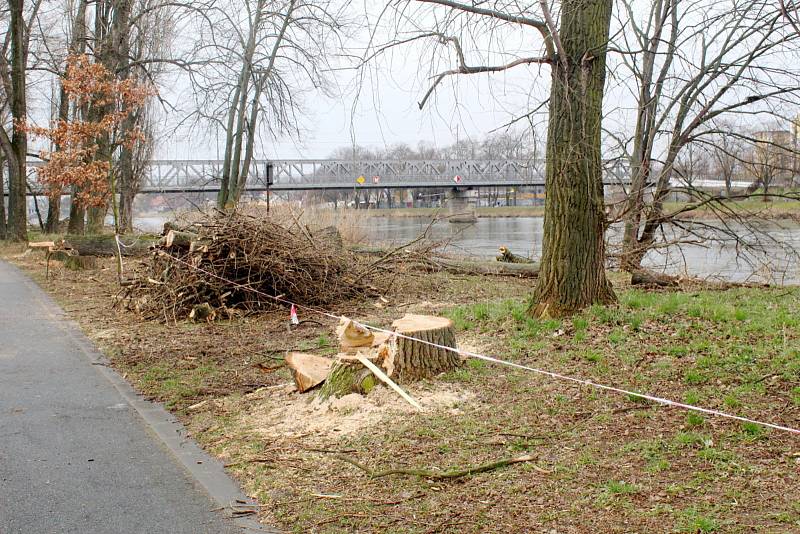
(361, 180)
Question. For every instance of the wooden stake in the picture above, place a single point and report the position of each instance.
(380, 374)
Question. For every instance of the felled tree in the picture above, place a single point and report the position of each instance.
(85, 145)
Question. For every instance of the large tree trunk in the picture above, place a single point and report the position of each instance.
(51, 225)
(77, 215)
(572, 274)
(95, 221)
(126, 198)
(54, 204)
(17, 229)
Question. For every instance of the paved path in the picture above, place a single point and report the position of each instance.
(79, 452)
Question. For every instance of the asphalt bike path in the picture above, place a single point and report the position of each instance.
(80, 452)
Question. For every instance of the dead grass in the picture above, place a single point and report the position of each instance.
(617, 465)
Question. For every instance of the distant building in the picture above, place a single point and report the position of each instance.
(774, 160)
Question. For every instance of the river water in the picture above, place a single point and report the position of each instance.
(775, 260)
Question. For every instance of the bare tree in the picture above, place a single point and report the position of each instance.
(727, 155)
(771, 160)
(693, 63)
(259, 57)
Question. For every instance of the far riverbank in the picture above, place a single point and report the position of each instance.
(781, 210)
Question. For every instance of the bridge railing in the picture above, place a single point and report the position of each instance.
(166, 175)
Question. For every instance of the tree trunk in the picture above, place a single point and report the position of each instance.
(95, 220)
(51, 225)
(126, 199)
(77, 215)
(2, 197)
(54, 204)
(17, 228)
(572, 274)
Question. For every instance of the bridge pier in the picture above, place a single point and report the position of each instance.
(458, 207)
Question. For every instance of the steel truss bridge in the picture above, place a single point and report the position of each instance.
(168, 176)
(199, 176)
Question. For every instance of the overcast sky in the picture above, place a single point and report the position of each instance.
(377, 106)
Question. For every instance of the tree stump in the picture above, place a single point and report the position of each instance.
(80, 263)
(402, 359)
(407, 359)
(347, 376)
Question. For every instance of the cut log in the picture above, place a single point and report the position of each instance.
(178, 239)
(171, 225)
(643, 277)
(490, 268)
(352, 336)
(407, 359)
(506, 256)
(106, 245)
(308, 370)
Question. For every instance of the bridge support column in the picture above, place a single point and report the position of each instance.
(458, 207)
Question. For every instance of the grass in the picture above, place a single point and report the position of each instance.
(613, 461)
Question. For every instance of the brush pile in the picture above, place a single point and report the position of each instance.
(235, 263)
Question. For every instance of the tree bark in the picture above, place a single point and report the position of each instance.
(95, 220)
(407, 359)
(77, 215)
(572, 274)
(2, 197)
(54, 198)
(17, 229)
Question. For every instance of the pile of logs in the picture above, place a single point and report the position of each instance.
(413, 351)
(238, 262)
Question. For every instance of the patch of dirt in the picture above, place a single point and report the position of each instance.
(283, 413)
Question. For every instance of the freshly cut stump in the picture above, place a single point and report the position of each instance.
(407, 359)
(347, 376)
(308, 370)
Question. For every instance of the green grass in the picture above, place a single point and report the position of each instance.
(692, 521)
(608, 459)
(732, 350)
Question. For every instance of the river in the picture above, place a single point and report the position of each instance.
(776, 263)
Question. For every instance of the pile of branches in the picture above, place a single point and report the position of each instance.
(237, 263)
